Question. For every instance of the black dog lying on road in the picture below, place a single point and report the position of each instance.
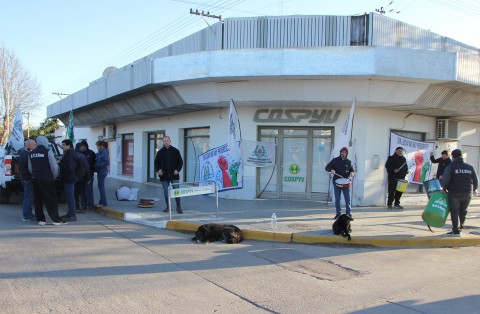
(342, 226)
(215, 232)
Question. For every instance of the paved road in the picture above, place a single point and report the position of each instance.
(103, 265)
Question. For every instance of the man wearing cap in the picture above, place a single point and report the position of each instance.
(459, 180)
(341, 167)
(442, 162)
(397, 169)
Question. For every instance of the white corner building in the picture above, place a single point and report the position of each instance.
(293, 80)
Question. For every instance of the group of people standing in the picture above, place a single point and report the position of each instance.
(76, 169)
(457, 178)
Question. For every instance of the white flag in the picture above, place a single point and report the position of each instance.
(345, 137)
(232, 126)
(16, 137)
(258, 154)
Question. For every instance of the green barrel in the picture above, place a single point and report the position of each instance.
(436, 212)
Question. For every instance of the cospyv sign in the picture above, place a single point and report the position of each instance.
(296, 115)
(294, 169)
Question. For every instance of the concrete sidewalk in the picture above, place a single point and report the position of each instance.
(298, 221)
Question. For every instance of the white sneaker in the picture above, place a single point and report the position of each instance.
(59, 223)
(41, 223)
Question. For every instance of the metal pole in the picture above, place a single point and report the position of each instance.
(216, 192)
(169, 201)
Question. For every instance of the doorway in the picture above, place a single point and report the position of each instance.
(301, 157)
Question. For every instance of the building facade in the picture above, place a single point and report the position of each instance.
(293, 80)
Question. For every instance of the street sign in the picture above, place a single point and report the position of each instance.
(190, 191)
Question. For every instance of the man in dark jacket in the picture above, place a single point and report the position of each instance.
(67, 166)
(43, 167)
(26, 178)
(442, 162)
(460, 181)
(101, 168)
(397, 169)
(86, 198)
(341, 167)
(82, 182)
(168, 163)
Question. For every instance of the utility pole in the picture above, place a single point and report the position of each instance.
(206, 14)
(28, 124)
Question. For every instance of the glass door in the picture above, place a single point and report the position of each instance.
(294, 166)
(155, 142)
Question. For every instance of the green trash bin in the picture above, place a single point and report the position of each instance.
(436, 212)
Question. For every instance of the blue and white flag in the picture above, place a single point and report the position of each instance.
(258, 154)
(232, 126)
(16, 137)
(345, 139)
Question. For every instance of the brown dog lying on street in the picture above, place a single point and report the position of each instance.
(342, 226)
(216, 232)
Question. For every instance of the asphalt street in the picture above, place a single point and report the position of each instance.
(104, 265)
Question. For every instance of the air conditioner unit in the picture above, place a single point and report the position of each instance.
(109, 131)
(447, 129)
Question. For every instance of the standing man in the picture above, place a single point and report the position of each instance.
(67, 166)
(442, 162)
(86, 198)
(168, 163)
(397, 168)
(459, 180)
(26, 177)
(341, 167)
(101, 167)
(82, 181)
(43, 167)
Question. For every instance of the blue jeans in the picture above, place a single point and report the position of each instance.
(27, 200)
(101, 187)
(458, 203)
(165, 185)
(87, 195)
(346, 196)
(70, 196)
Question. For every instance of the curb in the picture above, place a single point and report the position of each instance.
(176, 225)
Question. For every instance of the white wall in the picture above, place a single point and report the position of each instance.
(371, 132)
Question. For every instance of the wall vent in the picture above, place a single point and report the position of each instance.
(447, 129)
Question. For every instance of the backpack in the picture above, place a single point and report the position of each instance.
(80, 171)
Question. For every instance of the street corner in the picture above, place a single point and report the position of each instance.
(267, 236)
(110, 212)
(177, 225)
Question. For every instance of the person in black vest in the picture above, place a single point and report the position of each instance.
(26, 178)
(86, 198)
(82, 182)
(43, 167)
(442, 162)
(341, 167)
(460, 181)
(397, 168)
(168, 163)
(67, 166)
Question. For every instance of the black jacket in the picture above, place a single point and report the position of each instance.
(442, 164)
(91, 158)
(459, 177)
(67, 166)
(25, 174)
(395, 162)
(342, 167)
(168, 160)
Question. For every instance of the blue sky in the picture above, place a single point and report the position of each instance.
(66, 45)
